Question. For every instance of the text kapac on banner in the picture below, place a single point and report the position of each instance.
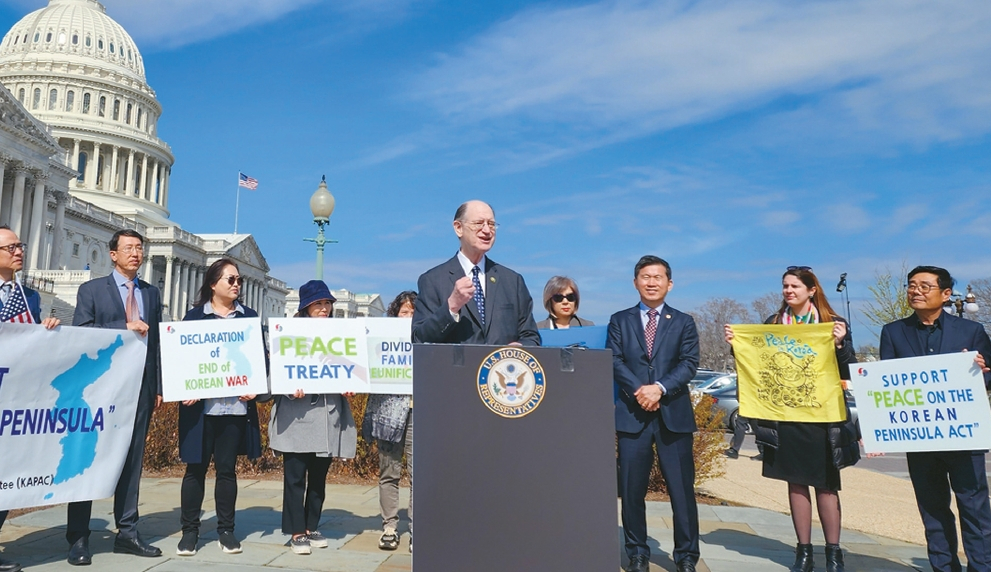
(318, 355)
(390, 355)
(67, 402)
(212, 358)
(930, 403)
(788, 373)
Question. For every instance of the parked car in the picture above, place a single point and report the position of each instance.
(703, 376)
(717, 383)
(726, 400)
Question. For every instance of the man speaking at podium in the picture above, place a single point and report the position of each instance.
(470, 299)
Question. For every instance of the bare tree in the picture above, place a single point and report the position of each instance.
(710, 318)
(888, 302)
(766, 305)
(982, 293)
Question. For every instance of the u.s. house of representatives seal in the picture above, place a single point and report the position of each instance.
(511, 382)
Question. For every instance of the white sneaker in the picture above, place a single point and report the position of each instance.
(389, 539)
(317, 540)
(300, 544)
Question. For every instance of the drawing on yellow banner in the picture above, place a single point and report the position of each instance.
(788, 373)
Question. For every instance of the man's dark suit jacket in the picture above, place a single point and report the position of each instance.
(508, 308)
(674, 362)
(900, 339)
(98, 305)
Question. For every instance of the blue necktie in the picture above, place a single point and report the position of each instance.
(479, 297)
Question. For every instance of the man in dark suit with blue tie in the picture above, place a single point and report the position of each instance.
(125, 302)
(928, 331)
(655, 354)
(470, 299)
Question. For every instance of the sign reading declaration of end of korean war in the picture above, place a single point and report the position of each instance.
(212, 358)
(67, 401)
(931, 403)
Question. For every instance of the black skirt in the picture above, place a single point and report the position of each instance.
(803, 456)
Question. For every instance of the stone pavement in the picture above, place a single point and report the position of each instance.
(737, 539)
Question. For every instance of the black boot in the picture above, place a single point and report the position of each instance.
(803, 558)
(834, 558)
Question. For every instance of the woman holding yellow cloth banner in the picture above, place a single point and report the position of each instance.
(811, 453)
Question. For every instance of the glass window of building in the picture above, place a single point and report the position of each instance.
(37, 98)
(127, 116)
(37, 36)
(81, 166)
(138, 124)
(70, 100)
(86, 100)
(61, 37)
(116, 110)
(20, 96)
(99, 44)
(52, 99)
(48, 37)
(75, 39)
(111, 47)
(102, 111)
(89, 41)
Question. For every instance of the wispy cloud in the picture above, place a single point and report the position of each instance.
(157, 24)
(917, 70)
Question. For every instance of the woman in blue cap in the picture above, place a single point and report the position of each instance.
(309, 431)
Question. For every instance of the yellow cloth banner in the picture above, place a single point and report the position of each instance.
(788, 373)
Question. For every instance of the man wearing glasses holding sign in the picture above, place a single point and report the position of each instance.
(470, 299)
(931, 331)
(122, 301)
(19, 305)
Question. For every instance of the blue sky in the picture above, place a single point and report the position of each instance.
(731, 138)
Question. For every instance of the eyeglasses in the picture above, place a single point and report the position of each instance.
(14, 247)
(558, 298)
(921, 287)
(477, 225)
(131, 249)
(802, 268)
(232, 279)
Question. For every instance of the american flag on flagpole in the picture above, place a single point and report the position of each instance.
(16, 308)
(247, 182)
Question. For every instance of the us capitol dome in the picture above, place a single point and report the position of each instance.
(80, 158)
(78, 71)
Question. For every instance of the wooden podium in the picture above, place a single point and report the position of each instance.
(526, 484)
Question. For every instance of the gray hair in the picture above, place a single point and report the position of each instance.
(556, 285)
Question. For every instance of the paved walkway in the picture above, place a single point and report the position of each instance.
(879, 533)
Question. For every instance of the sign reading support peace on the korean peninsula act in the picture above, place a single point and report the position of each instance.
(212, 358)
(930, 403)
(363, 355)
(67, 401)
(788, 373)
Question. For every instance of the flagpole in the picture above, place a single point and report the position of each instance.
(237, 201)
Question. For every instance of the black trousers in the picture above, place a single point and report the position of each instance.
(933, 476)
(303, 492)
(222, 436)
(674, 456)
(128, 484)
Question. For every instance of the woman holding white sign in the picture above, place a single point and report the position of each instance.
(389, 420)
(221, 428)
(811, 454)
(309, 431)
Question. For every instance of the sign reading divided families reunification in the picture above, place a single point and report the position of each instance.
(212, 358)
(788, 373)
(67, 401)
(363, 355)
(930, 403)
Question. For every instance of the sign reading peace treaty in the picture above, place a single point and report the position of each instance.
(788, 373)
(930, 403)
(67, 401)
(212, 358)
(318, 355)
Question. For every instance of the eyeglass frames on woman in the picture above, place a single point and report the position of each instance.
(14, 247)
(802, 268)
(232, 279)
(558, 298)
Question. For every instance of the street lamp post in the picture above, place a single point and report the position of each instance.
(963, 304)
(322, 206)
